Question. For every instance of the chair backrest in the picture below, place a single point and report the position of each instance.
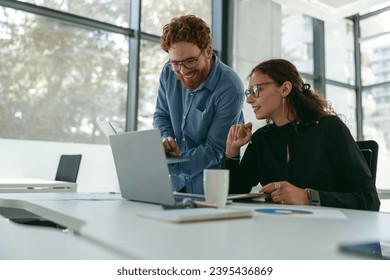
(68, 168)
(370, 149)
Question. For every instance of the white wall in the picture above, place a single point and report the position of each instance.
(39, 159)
(257, 37)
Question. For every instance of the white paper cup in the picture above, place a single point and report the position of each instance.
(216, 186)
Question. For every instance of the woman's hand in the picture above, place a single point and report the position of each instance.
(239, 135)
(284, 192)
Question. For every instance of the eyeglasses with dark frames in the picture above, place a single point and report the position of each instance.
(255, 89)
(189, 63)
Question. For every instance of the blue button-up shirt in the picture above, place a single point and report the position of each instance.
(198, 120)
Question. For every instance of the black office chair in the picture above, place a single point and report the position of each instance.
(370, 150)
(68, 168)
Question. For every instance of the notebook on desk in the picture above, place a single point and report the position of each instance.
(108, 129)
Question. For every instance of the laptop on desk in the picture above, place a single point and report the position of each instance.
(109, 130)
(106, 127)
(24, 185)
(142, 169)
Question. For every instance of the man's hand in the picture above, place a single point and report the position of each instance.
(170, 146)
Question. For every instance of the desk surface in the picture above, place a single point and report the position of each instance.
(116, 225)
(20, 242)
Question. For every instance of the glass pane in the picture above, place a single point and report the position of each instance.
(339, 51)
(375, 25)
(297, 39)
(152, 59)
(343, 101)
(375, 49)
(376, 125)
(308, 81)
(53, 87)
(116, 12)
(381, 5)
(155, 14)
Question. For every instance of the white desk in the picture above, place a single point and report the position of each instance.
(20, 242)
(116, 226)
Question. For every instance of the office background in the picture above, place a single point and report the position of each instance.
(65, 64)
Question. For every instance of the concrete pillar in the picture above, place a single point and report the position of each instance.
(257, 37)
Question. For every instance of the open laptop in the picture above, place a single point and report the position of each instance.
(142, 169)
(106, 127)
(109, 130)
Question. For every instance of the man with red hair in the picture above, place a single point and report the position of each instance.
(199, 99)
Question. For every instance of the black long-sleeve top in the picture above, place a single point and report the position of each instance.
(323, 156)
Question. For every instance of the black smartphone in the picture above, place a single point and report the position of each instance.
(373, 250)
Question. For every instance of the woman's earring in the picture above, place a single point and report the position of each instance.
(283, 104)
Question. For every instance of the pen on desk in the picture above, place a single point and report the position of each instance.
(199, 203)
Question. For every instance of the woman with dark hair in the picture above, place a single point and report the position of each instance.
(305, 154)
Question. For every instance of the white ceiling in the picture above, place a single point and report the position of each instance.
(332, 9)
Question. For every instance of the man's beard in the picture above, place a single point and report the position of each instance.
(194, 82)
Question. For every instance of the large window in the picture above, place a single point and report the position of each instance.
(115, 12)
(375, 48)
(66, 63)
(57, 78)
(359, 93)
(298, 45)
(297, 39)
(339, 51)
(155, 14)
(340, 70)
(152, 60)
(375, 57)
(343, 101)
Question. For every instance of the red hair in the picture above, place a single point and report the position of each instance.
(187, 28)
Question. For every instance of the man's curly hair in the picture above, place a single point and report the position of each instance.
(188, 28)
